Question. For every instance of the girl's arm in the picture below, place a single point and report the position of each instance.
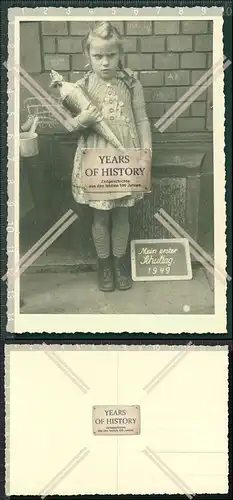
(88, 116)
(141, 119)
(76, 122)
(85, 118)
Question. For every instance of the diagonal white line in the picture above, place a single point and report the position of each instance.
(68, 371)
(67, 466)
(166, 369)
(19, 70)
(64, 472)
(46, 235)
(56, 115)
(43, 92)
(193, 98)
(178, 235)
(41, 240)
(209, 268)
(189, 92)
(46, 245)
(169, 472)
(66, 123)
(192, 241)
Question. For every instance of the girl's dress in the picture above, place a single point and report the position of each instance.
(122, 105)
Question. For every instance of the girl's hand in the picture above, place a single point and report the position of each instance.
(86, 118)
(89, 116)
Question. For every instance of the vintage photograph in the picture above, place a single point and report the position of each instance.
(118, 181)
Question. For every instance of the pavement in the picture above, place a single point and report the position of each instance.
(76, 292)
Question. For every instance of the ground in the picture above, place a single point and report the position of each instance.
(67, 291)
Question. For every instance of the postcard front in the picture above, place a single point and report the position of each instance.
(115, 135)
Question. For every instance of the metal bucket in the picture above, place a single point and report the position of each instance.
(29, 144)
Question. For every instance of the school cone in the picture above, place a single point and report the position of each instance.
(75, 99)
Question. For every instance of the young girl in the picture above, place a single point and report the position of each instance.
(117, 96)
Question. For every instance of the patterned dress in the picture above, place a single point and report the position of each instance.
(122, 105)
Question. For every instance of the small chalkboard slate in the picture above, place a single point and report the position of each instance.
(160, 260)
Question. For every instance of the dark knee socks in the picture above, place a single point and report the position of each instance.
(101, 231)
(120, 231)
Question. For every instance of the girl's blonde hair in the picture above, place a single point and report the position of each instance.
(104, 30)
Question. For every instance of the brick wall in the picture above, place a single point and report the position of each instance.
(169, 57)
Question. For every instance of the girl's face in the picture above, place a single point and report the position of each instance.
(104, 57)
